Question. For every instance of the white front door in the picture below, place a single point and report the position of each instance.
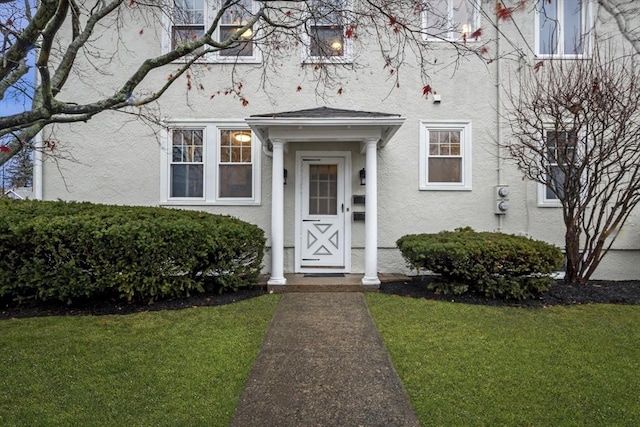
(323, 214)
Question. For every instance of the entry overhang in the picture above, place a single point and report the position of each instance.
(372, 130)
(325, 125)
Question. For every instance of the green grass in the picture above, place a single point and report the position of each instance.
(164, 368)
(465, 365)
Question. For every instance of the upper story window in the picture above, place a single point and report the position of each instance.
(326, 39)
(210, 164)
(562, 28)
(232, 21)
(188, 21)
(451, 20)
(560, 151)
(191, 18)
(445, 156)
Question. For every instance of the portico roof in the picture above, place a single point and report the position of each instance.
(325, 124)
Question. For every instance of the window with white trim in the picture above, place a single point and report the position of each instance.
(445, 155)
(562, 28)
(190, 19)
(559, 149)
(210, 163)
(328, 35)
(187, 163)
(451, 20)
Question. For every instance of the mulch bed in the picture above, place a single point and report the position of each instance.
(597, 291)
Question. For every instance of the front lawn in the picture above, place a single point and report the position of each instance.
(163, 368)
(477, 365)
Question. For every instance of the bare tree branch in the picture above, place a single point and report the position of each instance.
(576, 130)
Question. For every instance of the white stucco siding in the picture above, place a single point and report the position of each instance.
(118, 159)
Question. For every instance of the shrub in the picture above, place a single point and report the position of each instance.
(495, 264)
(59, 250)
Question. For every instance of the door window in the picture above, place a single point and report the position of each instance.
(323, 189)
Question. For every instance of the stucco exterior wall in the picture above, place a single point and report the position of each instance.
(116, 159)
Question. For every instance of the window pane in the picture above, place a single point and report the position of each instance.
(450, 19)
(187, 145)
(235, 181)
(235, 146)
(327, 28)
(438, 20)
(244, 48)
(181, 35)
(561, 146)
(572, 27)
(327, 12)
(444, 143)
(327, 41)
(188, 12)
(548, 27)
(186, 180)
(442, 169)
(462, 18)
(238, 13)
(555, 179)
(323, 189)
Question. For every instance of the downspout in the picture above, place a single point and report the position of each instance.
(499, 116)
(37, 167)
(38, 158)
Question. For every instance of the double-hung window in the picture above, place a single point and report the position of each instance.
(210, 163)
(445, 156)
(187, 163)
(450, 20)
(562, 28)
(558, 152)
(191, 18)
(235, 164)
(234, 18)
(188, 21)
(326, 38)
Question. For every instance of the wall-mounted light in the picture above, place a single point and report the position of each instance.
(363, 176)
(284, 175)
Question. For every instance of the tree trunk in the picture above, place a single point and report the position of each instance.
(574, 257)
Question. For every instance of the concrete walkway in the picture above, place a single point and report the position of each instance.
(323, 363)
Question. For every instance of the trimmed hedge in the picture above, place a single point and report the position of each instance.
(494, 264)
(64, 251)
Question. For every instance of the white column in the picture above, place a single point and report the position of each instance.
(277, 215)
(371, 215)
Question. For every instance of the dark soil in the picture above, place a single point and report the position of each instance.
(98, 307)
(595, 292)
(620, 292)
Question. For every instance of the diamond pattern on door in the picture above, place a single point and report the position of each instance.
(318, 238)
(322, 242)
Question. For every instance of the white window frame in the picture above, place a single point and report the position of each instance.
(543, 200)
(587, 25)
(211, 155)
(465, 154)
(347, 48)
(211, 8)
(449, 35)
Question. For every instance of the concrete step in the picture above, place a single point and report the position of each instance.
(319, 283)
(318, 287)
